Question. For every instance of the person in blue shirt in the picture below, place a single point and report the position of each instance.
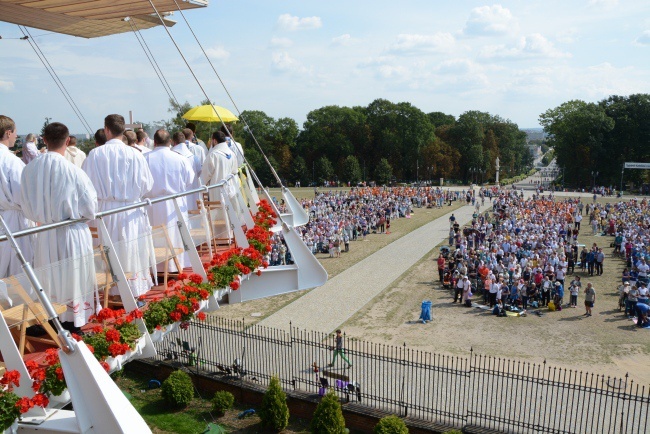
(642, 314)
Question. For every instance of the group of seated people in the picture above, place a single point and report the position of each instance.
(116, 173)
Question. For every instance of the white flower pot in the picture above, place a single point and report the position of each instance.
(159, 335)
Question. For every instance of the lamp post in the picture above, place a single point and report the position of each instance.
(482, 174)
(595, 175)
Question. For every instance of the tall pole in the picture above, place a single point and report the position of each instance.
(622, 172)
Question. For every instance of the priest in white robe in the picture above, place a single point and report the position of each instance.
(11, 169)
(234, 146)
(172, 174)
(195, 138)
(30, 150)
(179, 141)
(219, 163)
(193, 147)
(73, 154)
(121, 177)
(53, 190)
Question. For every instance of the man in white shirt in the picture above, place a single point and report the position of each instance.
(11, 169)
(171, 174)
(53, 190)
(121, 177)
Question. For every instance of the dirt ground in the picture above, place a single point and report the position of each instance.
(605, 343)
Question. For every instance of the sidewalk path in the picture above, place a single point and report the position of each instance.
(327, 307)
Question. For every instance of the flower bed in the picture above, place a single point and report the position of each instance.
(187, 298)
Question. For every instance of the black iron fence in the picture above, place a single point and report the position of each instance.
(474, 390)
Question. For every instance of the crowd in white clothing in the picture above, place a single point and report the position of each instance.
(123, 169)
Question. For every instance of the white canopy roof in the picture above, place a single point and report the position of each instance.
(89, 18)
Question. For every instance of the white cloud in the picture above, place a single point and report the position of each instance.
(530, 46)
(644, 38)
(490, 20)
(342, 40)
(6, 86)
(604, 3)
(282, 62)
(281, 42)
(291, 23)
(568, 36)
(413, 44)
(218, 53)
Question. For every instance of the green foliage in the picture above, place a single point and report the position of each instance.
(383, 172)
(577, 134)
(405, 136)
(324, 170)
(328, 417)
(9, 413)
(177, 390)
(222, 401)
(391, 425)
(454, 431)
(351, 171)
(274, 411)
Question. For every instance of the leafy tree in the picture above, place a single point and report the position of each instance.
(46, 123)
(351, 171)
(324, 170)
(299, 171)
(274, 411)
(438, 119)
(629, 140)
(383, 172)
(328, 417)
(576, 132)
(398, 131)
(333, 132)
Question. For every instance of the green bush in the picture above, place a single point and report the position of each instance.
(274, 411)
(391, 425)
(328, 417)
(454, 431)
(177, 390)
(222, 401)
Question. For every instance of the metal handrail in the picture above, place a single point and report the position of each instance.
(146, 202)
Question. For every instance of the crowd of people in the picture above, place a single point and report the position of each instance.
(338, 217)
(124, 168)
(519, 255)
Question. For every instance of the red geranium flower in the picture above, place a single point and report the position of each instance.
(201, 316)
(40, 400)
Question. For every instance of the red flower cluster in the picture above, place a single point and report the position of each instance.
(107, 314)
(10, 379)
(113, 335)
(117, 349)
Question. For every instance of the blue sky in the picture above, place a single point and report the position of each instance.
(512, 58)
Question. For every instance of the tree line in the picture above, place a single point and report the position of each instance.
(383, 142)
(592, 141)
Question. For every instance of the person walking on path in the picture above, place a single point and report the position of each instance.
(338, 350)
(590, 298)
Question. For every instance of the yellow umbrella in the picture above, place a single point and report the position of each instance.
(210, 113)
